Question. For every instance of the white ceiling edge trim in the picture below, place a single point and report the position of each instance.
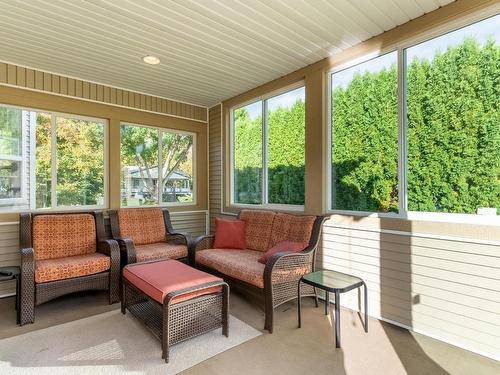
(99, 102)
(104, 84)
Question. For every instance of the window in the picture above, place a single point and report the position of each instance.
(50, 160)
(453, 119)
(80, 162)
(364, 149)
(268, 150)
(157, 166)
(12, 156)
(431, 144)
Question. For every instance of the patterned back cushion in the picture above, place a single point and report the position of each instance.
(296, 228)
(58, 236)
(259, 225)
(142, 225)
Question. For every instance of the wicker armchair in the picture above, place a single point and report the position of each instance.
(61, 254)
(271, 284)
(146, 234)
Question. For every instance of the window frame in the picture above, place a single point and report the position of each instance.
(400, 48)
(160, 129)
(24, 159)
(29, 172)
(265, 153)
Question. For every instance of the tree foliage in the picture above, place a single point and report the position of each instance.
(453, 138)
(454, 129)
(285, 153)
(80, 162)
(140, 147)
(365, 142)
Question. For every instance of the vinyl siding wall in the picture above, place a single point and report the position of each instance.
(17, 76)
(215, 162)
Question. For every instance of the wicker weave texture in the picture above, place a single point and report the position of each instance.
(174, 323)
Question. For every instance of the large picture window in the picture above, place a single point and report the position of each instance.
(364, 132)
(50, 160)
(269, 150)
(420, 133)
(453, 96)
(157, 166)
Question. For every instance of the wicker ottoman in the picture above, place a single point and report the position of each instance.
(175, 301)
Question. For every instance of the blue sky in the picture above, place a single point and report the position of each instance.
(481, 31)
(285, 100)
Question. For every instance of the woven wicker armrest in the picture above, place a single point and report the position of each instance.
(185, 236)
(27, 285)
(112, 249)
(127, 249)
(200, 243)
(27, 261)
(285, 267)
(109, 248)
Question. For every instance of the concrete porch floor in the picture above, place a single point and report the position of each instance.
(386, 349)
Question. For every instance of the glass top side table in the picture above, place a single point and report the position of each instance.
(337, 283)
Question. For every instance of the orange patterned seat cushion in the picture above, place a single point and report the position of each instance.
(142, 225)
(259, 225)
(160, 250)
(296, 228)
(69, 267)
(240, 264)
(244, 265)
(58, 236)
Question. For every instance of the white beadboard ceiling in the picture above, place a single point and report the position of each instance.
(210, 50)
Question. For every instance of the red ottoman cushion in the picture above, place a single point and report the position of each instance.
(157, 279)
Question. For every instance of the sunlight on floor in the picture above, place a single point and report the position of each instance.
(105, 351)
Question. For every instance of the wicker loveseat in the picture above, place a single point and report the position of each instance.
(275, 282)
(62, 254)
(146, 234)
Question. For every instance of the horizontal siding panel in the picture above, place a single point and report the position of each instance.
(398, 261)
(444, 286)
(454, 245)
(461, 279)
(398, 253)
(455, 300)
(7, 287)
(58, 84)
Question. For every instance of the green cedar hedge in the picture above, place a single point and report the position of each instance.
(453, 138)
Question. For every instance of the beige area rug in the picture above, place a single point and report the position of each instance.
(110, 343)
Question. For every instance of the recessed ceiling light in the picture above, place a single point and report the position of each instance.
(152, 60)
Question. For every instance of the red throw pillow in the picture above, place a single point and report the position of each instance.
(230, 234)
(285, 246)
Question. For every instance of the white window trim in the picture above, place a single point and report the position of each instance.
(31, 202)
(160, 203)
(263, 99)
(403, 213)
(23, 158)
